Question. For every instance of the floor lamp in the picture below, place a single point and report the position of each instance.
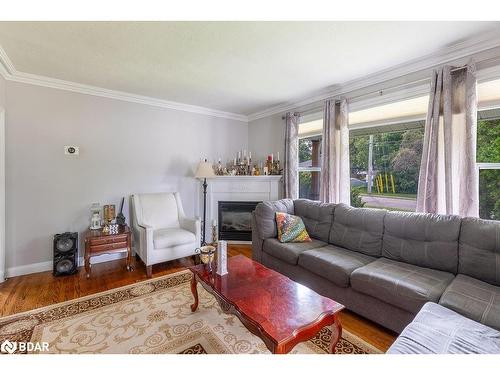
(205, 170)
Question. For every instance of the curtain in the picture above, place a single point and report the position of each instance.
(449, 181)
(2, 195)
(291, 160)
(335, 175)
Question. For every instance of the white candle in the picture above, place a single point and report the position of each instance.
(250, 155)
(278, 156)
(214, 223)
(272, 158)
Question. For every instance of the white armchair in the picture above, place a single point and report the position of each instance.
(161, 230)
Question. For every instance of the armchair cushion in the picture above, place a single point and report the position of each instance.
(158, 210)
(170, 237)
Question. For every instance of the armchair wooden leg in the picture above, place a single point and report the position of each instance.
(149, 271)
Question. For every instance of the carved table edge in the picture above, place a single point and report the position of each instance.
(300, 334)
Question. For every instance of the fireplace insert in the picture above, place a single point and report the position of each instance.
(235, 220)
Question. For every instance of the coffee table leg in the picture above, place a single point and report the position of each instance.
(194, 290)
(336, 334)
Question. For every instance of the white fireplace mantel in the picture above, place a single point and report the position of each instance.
(237, 188)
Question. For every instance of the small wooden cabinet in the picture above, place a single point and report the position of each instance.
(98, 243)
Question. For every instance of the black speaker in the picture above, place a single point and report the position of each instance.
(65, 254)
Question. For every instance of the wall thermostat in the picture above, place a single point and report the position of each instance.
(71, 150)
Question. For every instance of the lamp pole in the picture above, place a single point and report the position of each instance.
(203, 243)
(204, 171)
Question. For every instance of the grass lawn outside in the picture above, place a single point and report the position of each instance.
(388, 208)
(362, 191)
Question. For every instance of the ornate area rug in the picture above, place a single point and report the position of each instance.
(152, 316)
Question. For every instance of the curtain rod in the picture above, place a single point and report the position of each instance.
(294, 113)
(381, 92)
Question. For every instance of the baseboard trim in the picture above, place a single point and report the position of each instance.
(103, 258)
(47, 266)
(28, 268)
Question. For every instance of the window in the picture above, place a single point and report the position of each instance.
(389, 138)
(488, 161)
(310, 159)
(395, 156)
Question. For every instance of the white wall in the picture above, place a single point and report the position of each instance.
(2, 179)
(125, 148)
(265, 136)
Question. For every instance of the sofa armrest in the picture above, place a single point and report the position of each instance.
(257, 241)
(193, 226)
(265, 216)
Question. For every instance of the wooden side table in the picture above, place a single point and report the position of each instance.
(99, 243)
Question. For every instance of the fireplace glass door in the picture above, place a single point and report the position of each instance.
(235, 220)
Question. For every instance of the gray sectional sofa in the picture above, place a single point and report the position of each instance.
(386, 265)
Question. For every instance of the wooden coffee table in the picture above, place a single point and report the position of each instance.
(280, 311)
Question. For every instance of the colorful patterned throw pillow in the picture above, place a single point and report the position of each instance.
(291, 228)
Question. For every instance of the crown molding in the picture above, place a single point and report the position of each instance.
(9, 72)
(465, 49)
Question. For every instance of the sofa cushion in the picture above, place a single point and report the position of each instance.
(265, 215)
(170, 237)
(400, 284)
(426, 240)
(474, 299)
(358, 229)
(333, 263)
(289, 252)
(438, 330)
(479, 249)
(317, 217)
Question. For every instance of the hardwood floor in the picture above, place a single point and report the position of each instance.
(23, 293)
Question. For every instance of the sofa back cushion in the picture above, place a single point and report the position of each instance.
(265, 216)
(426, 240)
(479, 249)
(358, 229)
(316, 216)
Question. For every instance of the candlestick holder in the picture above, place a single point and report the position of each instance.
(214, 235)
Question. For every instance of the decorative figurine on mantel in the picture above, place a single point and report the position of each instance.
(242, 165)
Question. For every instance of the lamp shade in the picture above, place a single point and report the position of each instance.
(205, 170)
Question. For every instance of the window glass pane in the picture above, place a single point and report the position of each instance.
(309, 184)
(305, 151)
(309, 152)
(489, 194)
(488, 141)
(395, 160)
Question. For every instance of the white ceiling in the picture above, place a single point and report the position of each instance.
(239, 67)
